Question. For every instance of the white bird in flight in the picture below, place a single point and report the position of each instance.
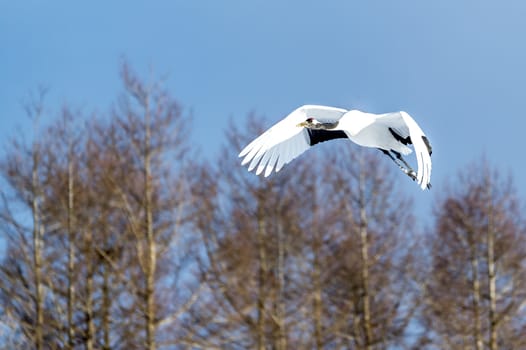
(308, 125)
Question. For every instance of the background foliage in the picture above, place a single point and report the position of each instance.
(119, 236)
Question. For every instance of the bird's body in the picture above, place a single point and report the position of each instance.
(310, 124)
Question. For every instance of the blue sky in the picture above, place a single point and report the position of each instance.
(458, 67)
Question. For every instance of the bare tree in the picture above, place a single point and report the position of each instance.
(250, 233)
(476, 285)
(152, 196)
(106, 261)
(25, 288)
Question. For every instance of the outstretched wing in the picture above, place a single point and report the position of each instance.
(405, 130)
(285, 140)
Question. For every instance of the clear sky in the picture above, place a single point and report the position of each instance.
(458, 67)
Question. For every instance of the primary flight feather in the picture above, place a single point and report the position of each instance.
(391, 133)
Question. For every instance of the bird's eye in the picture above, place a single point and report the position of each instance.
(310, 120)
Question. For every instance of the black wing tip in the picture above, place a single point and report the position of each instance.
(428, 145)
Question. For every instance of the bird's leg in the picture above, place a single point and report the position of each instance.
(408, 171)
(411, 172)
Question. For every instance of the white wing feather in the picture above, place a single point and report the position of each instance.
(423, 157)
(285, 140)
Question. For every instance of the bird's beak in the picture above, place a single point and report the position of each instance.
(302, 124)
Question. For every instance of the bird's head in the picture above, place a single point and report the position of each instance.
(311, 123)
